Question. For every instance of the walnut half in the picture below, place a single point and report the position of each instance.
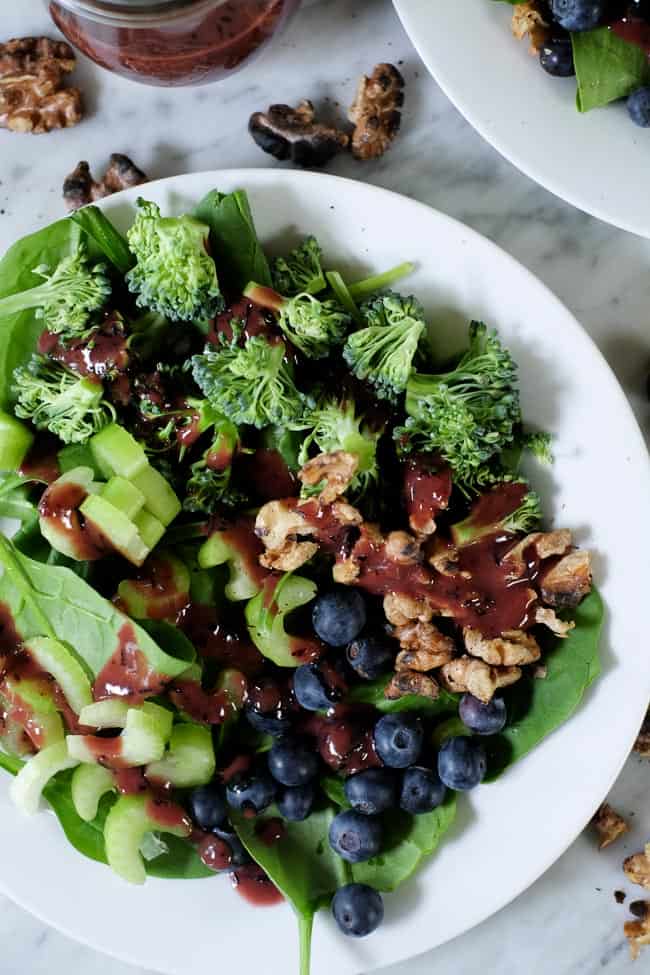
(609, 825)
(32, 76)
(375, 112)
(79, 187)
(637, 932)
(637, 868)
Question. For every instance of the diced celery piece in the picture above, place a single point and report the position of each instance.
(26, 788)
(64, 667)
(15, 440)
(160, 498)
(123, 495)
(157, 601)
(217, 551)
(266, 623)
(126, 825)
(146, 732)
(149, 528)
(51, 528)
(34, 710)
(76, 455)
(119, 530)
(189, 760)
(117, 452)
(105, 714)
(87, 786)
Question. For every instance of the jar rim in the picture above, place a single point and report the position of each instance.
(124, 13)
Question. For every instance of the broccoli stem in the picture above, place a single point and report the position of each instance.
(342, 292)
(264, 296)
(377, 282)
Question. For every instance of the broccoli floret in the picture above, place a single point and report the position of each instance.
(519, 511)
(335, 426)
(54, 398)
(209, 485)
(313, 326)
(301, 271)
(468, 415)
(67, 297)
(174, 274)
(250, 385)
(382, 353)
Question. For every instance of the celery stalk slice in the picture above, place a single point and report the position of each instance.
(26, 788)
(190, 759)
(127, 823)
(66, 670)
(87, 786)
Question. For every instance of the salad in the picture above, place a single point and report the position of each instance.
(604, 43)
(277, 591)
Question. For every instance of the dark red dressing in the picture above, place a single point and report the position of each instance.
(102, 353)
(214, 852)
(157, 580)
(205, 707)
(131, 781)
(254, 886)
(128, 674)
(223, 638)
(267, 475)
(240, 535)
(167, 814)
(427, 489)
(41, 462)
(60, 506)
(634, 31)
(249, 318)
(270, 831)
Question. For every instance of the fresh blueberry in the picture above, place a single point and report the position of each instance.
(371, 655)
(639, 9)
(239, 853)
(578, 15)
(638, 107)
(313, 690)
(422, 790)
(296, 803)
(556, 57)
(482, 719)
(398, 740)
(371, 792)
(292, 763)
(339, 616)
(355, 837)
(358, 909)
(207, 806)
(461, 762)
(267, 724)
(252, 792)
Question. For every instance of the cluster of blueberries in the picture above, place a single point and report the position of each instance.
(575, 16)
(290, 773)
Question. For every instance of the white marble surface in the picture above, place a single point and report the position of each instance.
(567, 923)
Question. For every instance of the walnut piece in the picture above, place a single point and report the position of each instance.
(403, 548)
(334, 470)
(294, 134)
(280, 526)
(32, 96)
(527, 18)
(637, 868)
(375, 112)
(406, 682)
(79, 187)
(609, 825)
(642, 743)
(542, 544)
(565, 584)
(424, 647)
(400, 609)
(546, 616)
(513, 648)
(466, 674)
(637, 932)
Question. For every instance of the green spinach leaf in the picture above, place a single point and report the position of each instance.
(607, 67)
(16, 498)
(235, 246)
(110, 242)
(372, 692)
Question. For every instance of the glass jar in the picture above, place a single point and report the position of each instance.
(171, 42)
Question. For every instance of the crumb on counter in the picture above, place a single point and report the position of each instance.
(609, 825)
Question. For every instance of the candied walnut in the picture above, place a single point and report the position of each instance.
(547, 617)
(402, 548)
(513, 648)
(528, 19)
(542, 544)
(443, 556)
(609, 825)
(642, 743)
(467, 674)
(375, 112)
(637, 868)
(346, 569)
(334, 471)
(79, 187)
(401, 609)
(280, 528)
(568, 581)
(411, 682)
(423, 647)
(638, 932)
(32, 76)
(294, 134)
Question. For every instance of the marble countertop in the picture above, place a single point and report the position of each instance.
(568, 923)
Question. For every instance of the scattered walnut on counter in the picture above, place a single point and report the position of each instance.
(642, 743)
(375, 112)
(637, 932)
(637, 868)
(609, 825)
(79, 187)
(32, 76)
(294, 134)
(528, 19)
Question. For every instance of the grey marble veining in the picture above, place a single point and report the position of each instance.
(568, 923)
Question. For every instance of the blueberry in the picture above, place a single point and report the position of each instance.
(639, 9)
(461, 762)
(267, 724)
(422, 790)
(482, 719)
(207, 806)
(398, 739)
(556, 57)
(312, 689)
(239, 853)
(371, 655)
(355, 837)
(252, 792)
(292, 763)
(638, 107)
(296, 803)
(578, 15)
(371, 792)
(339, 616)
(358, 909)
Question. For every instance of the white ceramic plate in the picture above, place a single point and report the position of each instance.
(508, 833)
(597, 161)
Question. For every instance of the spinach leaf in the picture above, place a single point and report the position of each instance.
(372, 692)
(48, 600)
(333, 788)
(607, 67)
(15, 498)
(180, 862)
(110, 242)
(235, 247)
(537, 707)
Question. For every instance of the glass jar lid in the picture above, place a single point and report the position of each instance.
(125, 12)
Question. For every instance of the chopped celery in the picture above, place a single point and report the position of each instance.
(87, 786)
(146, 732)
(119, 530)
(266, 622)
(52, 529)
(26, 788)
(34, 709)
(190, 759)
(117, 452)
(126, 825)
(217, 550)
(160, 498)
(105, 714)
(64, 667)
(149, 528)
(123, 495)
(15, 440)
(169, 590)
